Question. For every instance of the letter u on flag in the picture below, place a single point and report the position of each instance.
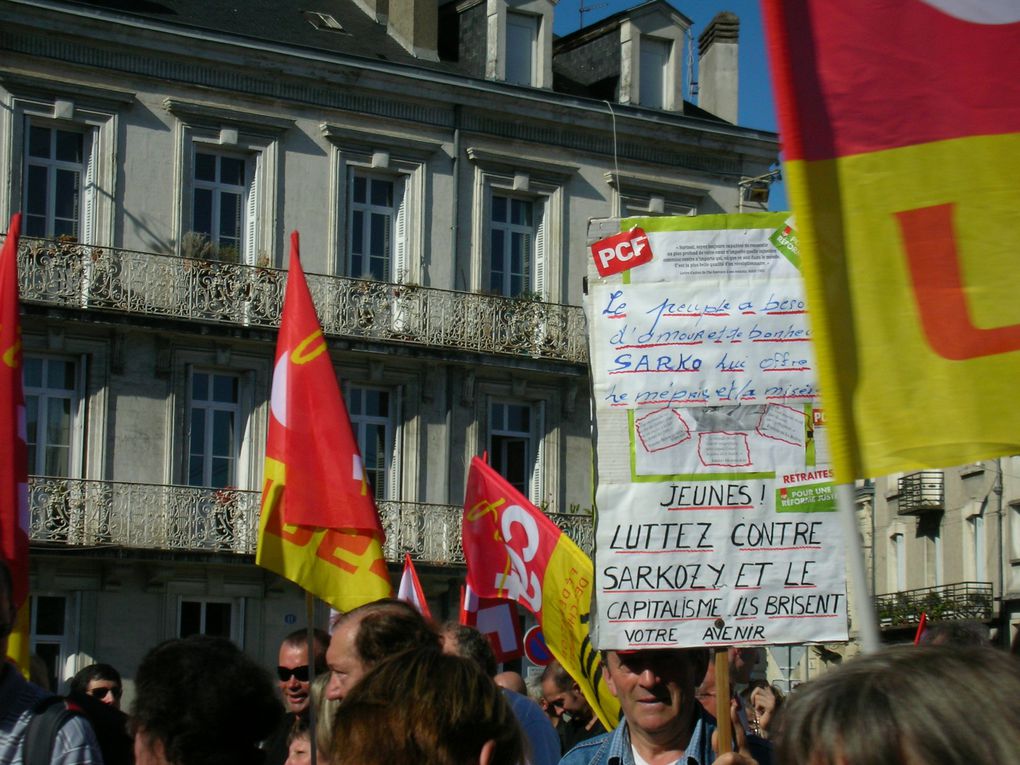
(318, 525)
(900, 122)
(13, 447)
(514, 551)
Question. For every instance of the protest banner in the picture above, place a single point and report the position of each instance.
(717, 519)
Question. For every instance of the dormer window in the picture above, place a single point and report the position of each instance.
(521, 48)
(654, 72)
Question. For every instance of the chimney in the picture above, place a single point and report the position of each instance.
(414, 24)
(717, 66)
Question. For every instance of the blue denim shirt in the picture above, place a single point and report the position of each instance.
(614, 748)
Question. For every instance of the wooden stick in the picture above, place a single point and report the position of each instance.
(722, 701)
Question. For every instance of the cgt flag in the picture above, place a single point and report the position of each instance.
(497, 619)
(13, 447)
(902, 164)
(514, 551)
(318, 525)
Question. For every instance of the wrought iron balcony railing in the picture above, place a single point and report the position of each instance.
(960, 601)
(126, 281)
(921, 492)
(80, 513)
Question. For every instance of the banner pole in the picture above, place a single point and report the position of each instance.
(722, 701)
(864, 612)
(312, 702)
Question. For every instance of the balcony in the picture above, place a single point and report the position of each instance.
(110, 514)
(964, 600)
(921, 492)
(148, 284)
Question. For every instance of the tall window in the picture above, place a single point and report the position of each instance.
(511, 443)
(521, 47)
(51, 633)
(206, 617)
(898, 562)
(654, 72)
(929, 530)
(976, 529)
(372, 420)
(220, 199)
(51, 406)
(55, 167)
(373, 220)
(511, 245)
(214, 418)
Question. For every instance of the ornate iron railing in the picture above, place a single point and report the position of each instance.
(921, 492)
(110, 279)
(963, 600)
(80, 513)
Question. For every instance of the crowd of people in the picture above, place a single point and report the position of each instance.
(387, 687)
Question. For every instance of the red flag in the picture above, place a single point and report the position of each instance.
(326, 484)
(514, 551)
(497, 619)
(14, 523)
(410, 589)
(318, 525)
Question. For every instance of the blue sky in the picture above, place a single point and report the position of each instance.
(756, 107)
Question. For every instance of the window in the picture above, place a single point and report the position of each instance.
(654, 72)
(521, 45)
(513, 244)
(372, 420)
(214, 419)
(208, 616)
(1014, 532)
(515, 445)
(976, 533)
(51, 412)
(55, 172)
(897, 562)
(929, 530)
(222, 194)
(376, 226)
(51, 633)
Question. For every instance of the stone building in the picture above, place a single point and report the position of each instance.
(441, 164)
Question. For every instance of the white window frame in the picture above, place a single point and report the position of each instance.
(390, 487)
(74, 459)
(522, 36)
(210, 408)
(256, 137)
(498, 18)
(402, 158)
(67, 105)
(68, 641)
(532, 280)
(396, 233)
(652, 25)
(236, 614)
(542, 182)
(52, 165)
(897, 561)
(977, 546)
(655, 54)
(246, 192)
(531, 437)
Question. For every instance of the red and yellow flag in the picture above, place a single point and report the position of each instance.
(514, 551)
(900, 122)
(318, 525)
(13, 447)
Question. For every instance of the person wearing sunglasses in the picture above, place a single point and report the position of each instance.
(100, 681)
(294, 676)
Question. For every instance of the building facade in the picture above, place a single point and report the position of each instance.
(440, 164)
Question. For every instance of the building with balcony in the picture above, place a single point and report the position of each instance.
(945, 543)
(441, 164)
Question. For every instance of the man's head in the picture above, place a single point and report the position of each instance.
(101, 681)
(562, 693)
(656, 690)
(368, 634)
(467, 642)
(742, 660)
(293, 671)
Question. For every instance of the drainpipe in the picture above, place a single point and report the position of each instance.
(455, 228)
(1004, 636)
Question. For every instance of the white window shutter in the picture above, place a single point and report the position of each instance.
(399, 272)
(88, 191)
(250, 255)
(540, 247)
(537, 488)
(393, 469)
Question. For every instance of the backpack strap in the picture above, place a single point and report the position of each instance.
(48, 717)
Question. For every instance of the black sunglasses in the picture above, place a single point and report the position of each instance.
(285, 673)
(100, 693)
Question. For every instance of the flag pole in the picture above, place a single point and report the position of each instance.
(312, 701)
(722, 700)
(864, 613)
